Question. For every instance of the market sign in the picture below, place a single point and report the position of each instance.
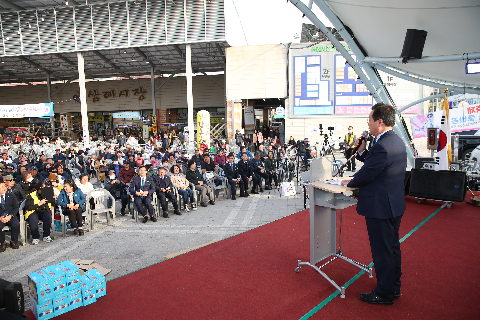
(126, 115)
(27, 110)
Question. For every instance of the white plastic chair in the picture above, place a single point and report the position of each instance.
(100, 198)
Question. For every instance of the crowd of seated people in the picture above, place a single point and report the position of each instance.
(133, 177)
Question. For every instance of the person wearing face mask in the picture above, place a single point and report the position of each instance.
(28, 183)
(114, 185)
(350, 138)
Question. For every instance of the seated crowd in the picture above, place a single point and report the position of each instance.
(124, 174)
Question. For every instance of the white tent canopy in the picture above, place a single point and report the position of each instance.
(452, 26)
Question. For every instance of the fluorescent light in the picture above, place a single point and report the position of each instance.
(472, 67)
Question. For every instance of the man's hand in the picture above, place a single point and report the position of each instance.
(200, 183)
(145, 193)
(250, 179)
(345, 182)
(362, 146)
(138, 193)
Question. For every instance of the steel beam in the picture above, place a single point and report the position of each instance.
(161, 85)
(180, 52)
(144, 56)
(213, 80)
(440, 95)
(64, 85)
(11, 5)
(222, 54)
(454, 57)
(427, 83)
(33, 63)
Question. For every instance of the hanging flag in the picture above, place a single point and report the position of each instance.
(444, 150)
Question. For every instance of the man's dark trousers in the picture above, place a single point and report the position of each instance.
(385, 246)
(163, 202)
(147, 201)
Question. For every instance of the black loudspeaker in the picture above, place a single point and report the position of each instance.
(418, 162)
(438, 185)
(11, 297)
(413, 44)
(14, 298)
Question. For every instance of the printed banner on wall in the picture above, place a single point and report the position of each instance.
(27, 110)
(461, 119)
(249, 118)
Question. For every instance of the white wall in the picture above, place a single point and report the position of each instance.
(256, 72)
(173, 94)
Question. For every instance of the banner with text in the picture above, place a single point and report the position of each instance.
(27, 110)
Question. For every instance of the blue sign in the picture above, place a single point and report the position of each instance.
(311, 95)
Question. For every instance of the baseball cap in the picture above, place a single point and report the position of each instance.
(111, 171)
(10, 166)
(8, 177)
(52, 177)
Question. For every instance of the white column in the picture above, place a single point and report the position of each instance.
(83, 99)
(49, 92)
(189, 95)
(152, 80)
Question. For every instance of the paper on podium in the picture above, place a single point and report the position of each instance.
(334, 181)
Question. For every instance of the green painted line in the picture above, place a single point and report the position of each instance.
(352, 280)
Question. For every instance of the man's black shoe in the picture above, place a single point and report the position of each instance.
(122, 211)
(254, 192)
(203, 204)
(212, 202)
(153, 219)
(371, 297)
(178, 213)
(268, 188)
(234, 198)
(145, 219)
(246, 194)
(3, 247)
(396, 295)
(353, 170)
(261, 189)
(165, 215)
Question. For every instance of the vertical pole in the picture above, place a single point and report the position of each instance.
(83, 99)
(152, 80)
(49, 91)
(189, 95)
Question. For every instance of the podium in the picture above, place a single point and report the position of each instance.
(325, 200)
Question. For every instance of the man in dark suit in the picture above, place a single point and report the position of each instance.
(382, 201)
(142, 188)
(8, 216)
(164, 188)
(245, 169)
(230, 170)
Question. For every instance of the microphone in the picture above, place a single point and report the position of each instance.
(360, 140)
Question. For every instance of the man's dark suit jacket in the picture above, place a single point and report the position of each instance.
(381, 178)
(11, 205)
(136, 185)
(231, 173)
(245, 169)
(162, 183)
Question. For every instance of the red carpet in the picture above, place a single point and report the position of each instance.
(252, 275)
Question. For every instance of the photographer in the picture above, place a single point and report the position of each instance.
(304, 150)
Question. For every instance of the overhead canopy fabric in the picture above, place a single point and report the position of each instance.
(452, 26)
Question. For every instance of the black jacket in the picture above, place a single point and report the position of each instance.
(245, 169)
(162, 183)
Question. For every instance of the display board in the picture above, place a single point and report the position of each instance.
(351, 94)
(311, 92)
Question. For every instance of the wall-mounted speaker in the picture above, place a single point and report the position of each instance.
(413, 44)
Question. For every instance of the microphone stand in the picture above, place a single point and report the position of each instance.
(340, 170)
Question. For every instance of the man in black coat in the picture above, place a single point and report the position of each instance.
(259, 172)
(381, 201)
(8, 217)
(245, 169)
(164, 188)
(230, 169)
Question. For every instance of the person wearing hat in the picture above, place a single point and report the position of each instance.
(238, 138)
(116, 186)
(53, 181)
(59, 157)
(14, 188)
(115, 165)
